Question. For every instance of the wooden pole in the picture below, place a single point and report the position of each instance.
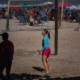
(7, 22)
(61, 15)
(56, 27)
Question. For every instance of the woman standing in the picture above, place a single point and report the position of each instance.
(45, 49)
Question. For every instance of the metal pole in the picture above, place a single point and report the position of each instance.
(61, 16)
(7, 22)
(56, 27)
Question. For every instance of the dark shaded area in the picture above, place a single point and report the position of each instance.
(33, 76)
(38, 69)
(72, 78)
(29, 77)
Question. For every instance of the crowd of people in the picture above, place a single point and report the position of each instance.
(3, 13)
(68, 15)
(72, 15)
(33, 16)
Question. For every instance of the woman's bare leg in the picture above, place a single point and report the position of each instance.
(48, 64)
(45, 62)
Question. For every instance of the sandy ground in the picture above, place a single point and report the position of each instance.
(27, 63)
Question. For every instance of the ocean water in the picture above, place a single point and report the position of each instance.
(74, 2)
(25, 1)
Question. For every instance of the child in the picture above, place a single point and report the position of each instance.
(35, 22)
(31, 21)
(45, 49)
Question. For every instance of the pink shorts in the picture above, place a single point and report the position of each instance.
(46, 52)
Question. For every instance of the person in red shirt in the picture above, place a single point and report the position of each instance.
(6, 56)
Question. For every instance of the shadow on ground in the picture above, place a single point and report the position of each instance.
(38, 77)
(38, 69)
(29, 77)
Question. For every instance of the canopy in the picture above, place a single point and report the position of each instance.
(48, 3)
(51, 5)
(14, 6)
(78, 8)
(40, 4)
(30, 7)
(79, 5)
(73, 7)
(23, 5)
(5, 5)
(65, 4)
(1, 5)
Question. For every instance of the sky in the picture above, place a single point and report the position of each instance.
(75, 2)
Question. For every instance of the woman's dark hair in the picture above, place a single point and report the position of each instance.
(47, 32)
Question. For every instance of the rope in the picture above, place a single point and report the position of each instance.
(51, 32)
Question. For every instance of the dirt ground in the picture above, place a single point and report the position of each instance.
(27, 64)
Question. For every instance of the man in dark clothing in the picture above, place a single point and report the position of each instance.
(6, 56)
